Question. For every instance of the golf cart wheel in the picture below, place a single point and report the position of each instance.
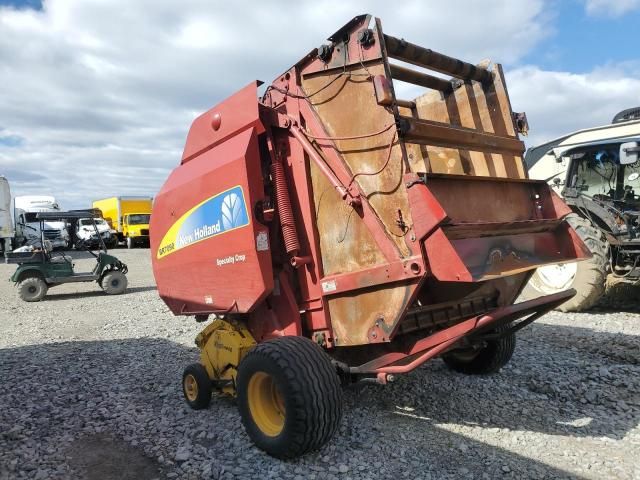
(196, 386)
(114, 283)
(32, 289)
(490, 358)
(129, 242)
(289, 396)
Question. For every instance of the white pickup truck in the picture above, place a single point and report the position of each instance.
(85, 232)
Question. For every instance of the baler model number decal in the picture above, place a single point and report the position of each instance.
(221, 213)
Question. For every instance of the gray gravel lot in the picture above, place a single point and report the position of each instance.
(90, 389)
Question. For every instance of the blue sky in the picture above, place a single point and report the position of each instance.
(580, 41)
(97, 96)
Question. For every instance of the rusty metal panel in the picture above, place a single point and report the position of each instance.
(483, 107)
(362, 157)
(346, 244)
(353, 316)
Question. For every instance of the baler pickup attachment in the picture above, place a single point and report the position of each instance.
(496, 227)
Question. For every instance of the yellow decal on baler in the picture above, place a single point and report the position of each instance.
(219, 214)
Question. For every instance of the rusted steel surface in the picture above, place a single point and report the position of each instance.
(485, 108)
(439, 134)
(503, 201)
(353, 314)
(363, 156)
(418, 78)
(425, 57)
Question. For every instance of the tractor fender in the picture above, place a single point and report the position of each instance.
(596, 213)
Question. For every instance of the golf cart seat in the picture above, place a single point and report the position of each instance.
(59, 258)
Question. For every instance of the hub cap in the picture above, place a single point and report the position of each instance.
(266, 404)
(554, 278)
(191, 387)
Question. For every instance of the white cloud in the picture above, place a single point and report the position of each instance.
(560, 102)
(97, 96)
(611, 8)
(102, 93)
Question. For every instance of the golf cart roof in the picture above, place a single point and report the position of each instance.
(66, 215)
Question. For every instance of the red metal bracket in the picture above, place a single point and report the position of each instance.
(438, 343)
(411, 268)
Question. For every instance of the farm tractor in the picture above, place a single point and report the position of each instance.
(332, 233)
(597, 172)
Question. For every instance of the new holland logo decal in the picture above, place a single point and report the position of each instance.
(219, 214)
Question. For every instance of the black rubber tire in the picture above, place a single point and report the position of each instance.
(490, 359)
(591, 275)
(203, 383)
(310, 390)
(32, 289)
(114, 282)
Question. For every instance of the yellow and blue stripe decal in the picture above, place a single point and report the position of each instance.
(216, 215)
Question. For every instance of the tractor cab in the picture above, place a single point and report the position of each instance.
(40, 268)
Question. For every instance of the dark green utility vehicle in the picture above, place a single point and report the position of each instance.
(42, 268)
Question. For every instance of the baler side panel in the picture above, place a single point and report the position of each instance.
(210, 254)
(351, 248)
(235, 114)
(347, 244)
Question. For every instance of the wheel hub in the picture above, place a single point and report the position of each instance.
(191, 388)
(557, 277)
(266, 404)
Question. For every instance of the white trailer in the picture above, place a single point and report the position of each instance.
(7, 231)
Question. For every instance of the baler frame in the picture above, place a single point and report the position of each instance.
(441, 226)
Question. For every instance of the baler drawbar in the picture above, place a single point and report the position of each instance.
(337, 233)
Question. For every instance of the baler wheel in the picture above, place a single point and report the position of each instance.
(490, 359)
(289, 396)
(196, 386)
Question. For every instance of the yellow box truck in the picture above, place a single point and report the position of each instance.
(128, 217)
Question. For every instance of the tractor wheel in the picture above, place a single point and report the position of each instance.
(196, 386)
(489, 359)
(114, 283)
(588, 277)
(289, 396)
(32, 289)
(130, 242)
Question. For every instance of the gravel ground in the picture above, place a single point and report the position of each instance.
(90, 389)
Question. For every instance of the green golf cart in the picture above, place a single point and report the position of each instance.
(42, 268)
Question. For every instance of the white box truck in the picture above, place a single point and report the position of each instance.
(28, 228)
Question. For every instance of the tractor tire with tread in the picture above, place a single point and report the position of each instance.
(490, 359)
(289, 396)
(591, 275)
(32, 289)
(114, 282)
(196, 386)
